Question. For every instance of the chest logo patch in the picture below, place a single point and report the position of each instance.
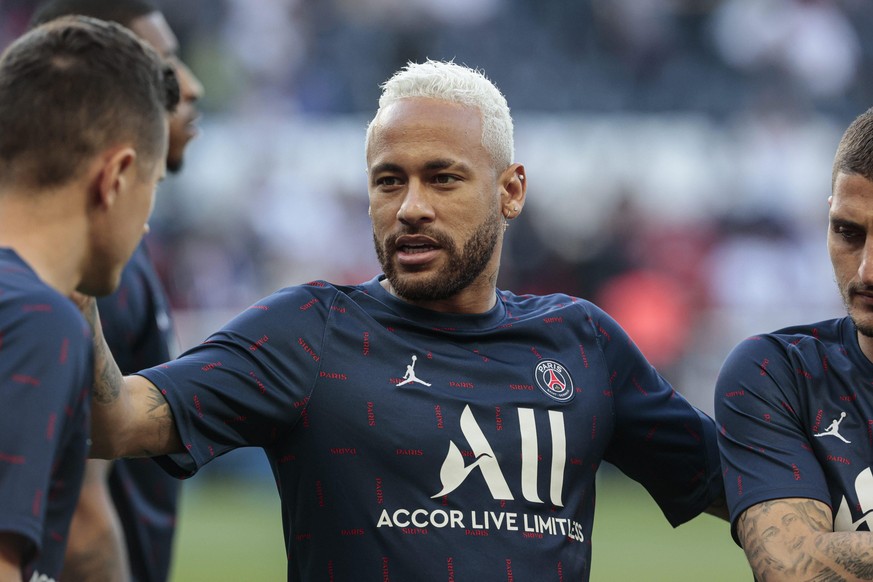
(410, 376)
(554, 380)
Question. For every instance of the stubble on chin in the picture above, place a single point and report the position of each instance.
(865, 328)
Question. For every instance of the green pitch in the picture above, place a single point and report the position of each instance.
(233, 531)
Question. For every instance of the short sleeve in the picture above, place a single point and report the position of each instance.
(46, 369)
(660, 439)
(764, 448)
(249, 382)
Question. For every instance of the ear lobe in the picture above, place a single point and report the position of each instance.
(115, 174)
(514, 190)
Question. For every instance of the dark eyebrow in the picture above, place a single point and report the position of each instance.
(439, 164)
(386, 167)
(444, 164)
(431, 166)
(837, 222)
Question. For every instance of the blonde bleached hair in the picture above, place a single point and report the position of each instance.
(453, 83)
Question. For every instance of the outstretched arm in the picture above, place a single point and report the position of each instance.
(793, 539)
(129, 415)
(95, 550)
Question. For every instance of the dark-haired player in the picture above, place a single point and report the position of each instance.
(137, 325)
(797, 412)
(83, 139)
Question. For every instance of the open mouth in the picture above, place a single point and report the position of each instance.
(415, 248)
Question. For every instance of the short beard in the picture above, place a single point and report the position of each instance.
(462, 269)
(865, 330)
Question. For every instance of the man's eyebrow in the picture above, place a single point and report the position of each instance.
(839, 221)
(430, 166)
(385, 167)
(440, 164)
(444, 164)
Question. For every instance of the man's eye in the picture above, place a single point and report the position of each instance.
(387, 181)
(847, 233)
(445, 179)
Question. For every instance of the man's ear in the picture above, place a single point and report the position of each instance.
(513, 190)
(114, 174)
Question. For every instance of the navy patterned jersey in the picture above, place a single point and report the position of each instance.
(408, 443)
(796, 421)
(46, 371)
(137, 325)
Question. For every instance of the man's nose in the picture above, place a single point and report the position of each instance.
(416, 207)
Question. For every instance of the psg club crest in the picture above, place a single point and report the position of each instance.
(555, 381)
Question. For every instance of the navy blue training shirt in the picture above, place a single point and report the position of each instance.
(796, 421)
(46, 372)
(407, 442)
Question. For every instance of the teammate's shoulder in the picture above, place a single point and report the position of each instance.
(821, 332)
(16, 276)
(800, 340)
(39, 311)
(827, 327)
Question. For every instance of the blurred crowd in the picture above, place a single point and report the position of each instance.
(678, 152)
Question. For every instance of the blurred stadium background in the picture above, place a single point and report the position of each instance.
(679, 160)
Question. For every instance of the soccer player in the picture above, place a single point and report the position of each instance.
(797, 413)
(83, 139)
(424, 423)
(137, 326)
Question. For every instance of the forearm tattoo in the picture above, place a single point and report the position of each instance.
(108, 379)
(161, 415)
(794, 539)
(852, 551)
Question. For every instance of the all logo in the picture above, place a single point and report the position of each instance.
(455, 471)
(554, 380)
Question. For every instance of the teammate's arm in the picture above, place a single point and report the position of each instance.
(129, 415)
(11, 549)
(95, 550)
(793, 539)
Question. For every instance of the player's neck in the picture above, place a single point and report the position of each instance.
(48, 233)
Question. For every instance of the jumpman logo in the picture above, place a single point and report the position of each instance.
(410, 376)
(834, 429)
